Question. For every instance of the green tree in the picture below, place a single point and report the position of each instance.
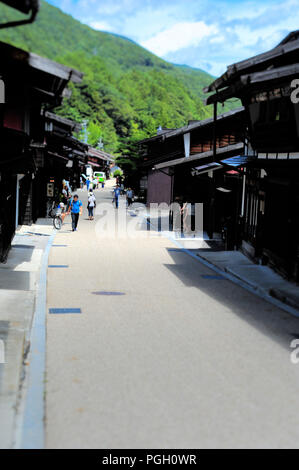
(126, 93)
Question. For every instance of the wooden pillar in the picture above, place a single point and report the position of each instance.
(213, 189)
(215, 132)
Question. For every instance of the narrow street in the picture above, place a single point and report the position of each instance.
(167, 322)
(180, 358)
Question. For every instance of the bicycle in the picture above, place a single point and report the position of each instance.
(58, 216)
(52, 210)
(57, 221)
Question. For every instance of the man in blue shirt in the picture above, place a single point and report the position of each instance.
(76, 210)
(117, 192)
(129, 197)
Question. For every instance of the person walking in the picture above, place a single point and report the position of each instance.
(117, 193)
(64, 196)
(67, 197)
(91, 205)
(95, 183)
(76, 211)
(87, 183)
(129, 197)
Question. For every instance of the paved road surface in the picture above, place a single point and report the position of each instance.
(178, 361)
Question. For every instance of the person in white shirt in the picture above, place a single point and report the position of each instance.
(91, 205)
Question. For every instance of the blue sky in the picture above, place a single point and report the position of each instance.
(201, 33)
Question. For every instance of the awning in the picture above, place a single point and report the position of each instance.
(96, 165)
(22, 163)
(200, 170)
(220, 152)
(253, 64)
(56, 155)
(238, 161)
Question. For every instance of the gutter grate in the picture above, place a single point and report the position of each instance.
(64, 311)
(108, 293)
(62, 266)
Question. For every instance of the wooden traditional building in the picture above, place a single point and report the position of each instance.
(191, 164)
(32, 85)
(271, 183)
(60, 157)
(100, 160)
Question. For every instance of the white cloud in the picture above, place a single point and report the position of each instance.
(179, 36)
(208, 34)
(101, 25)
(247, 11)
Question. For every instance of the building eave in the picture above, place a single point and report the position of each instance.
(253, 64)
(194, 126)
(199, 156)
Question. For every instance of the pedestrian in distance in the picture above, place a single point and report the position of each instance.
(76, 211)
(68, 197)
(64, 195)
(91, 205)
(87, 183)
(95, 183)
(67, 185)
(130, 196)
(117, 192)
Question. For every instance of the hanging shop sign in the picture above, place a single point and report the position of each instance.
(50, 190)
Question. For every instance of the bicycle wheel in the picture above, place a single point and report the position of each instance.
(57, 222)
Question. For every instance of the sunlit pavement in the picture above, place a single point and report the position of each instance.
(164, 354)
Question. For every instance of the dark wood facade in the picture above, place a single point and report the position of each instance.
(271, 212)
(58, 156)
(31, 83)
(186, 164)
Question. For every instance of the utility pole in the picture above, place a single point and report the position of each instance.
(84, 126)
(101, 144)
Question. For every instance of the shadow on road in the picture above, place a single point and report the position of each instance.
(258, 313)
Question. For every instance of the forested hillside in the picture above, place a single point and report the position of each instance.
(127, 92)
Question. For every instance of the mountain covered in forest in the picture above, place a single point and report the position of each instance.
(127, 92)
